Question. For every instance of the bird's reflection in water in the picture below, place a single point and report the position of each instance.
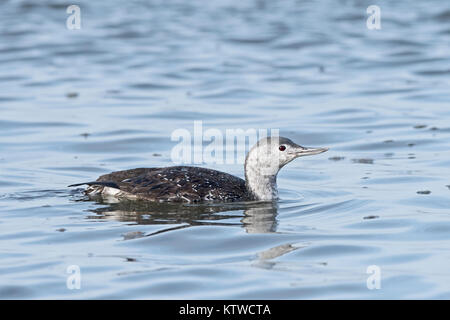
(255, 217)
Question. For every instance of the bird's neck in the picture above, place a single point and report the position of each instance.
(260, 185)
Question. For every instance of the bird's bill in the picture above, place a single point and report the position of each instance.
(308, 151)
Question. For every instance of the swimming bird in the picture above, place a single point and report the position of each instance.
(195, 184)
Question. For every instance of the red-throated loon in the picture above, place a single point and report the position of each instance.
(195, 184)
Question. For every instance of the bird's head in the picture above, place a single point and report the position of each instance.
(270, 154)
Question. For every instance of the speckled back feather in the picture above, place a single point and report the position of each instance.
(178, 184)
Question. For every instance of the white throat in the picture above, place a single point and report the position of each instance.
(262, 187)
(261, 181)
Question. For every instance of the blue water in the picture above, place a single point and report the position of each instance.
(75, 104)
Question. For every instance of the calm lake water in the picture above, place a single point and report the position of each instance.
(75, 104)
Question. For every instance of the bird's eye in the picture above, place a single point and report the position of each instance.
(282, 148)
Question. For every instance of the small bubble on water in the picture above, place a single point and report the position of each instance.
(336, 158)
(130, 259)
(72, 95)
(364, 161)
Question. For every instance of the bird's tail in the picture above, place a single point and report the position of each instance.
(97, 183)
